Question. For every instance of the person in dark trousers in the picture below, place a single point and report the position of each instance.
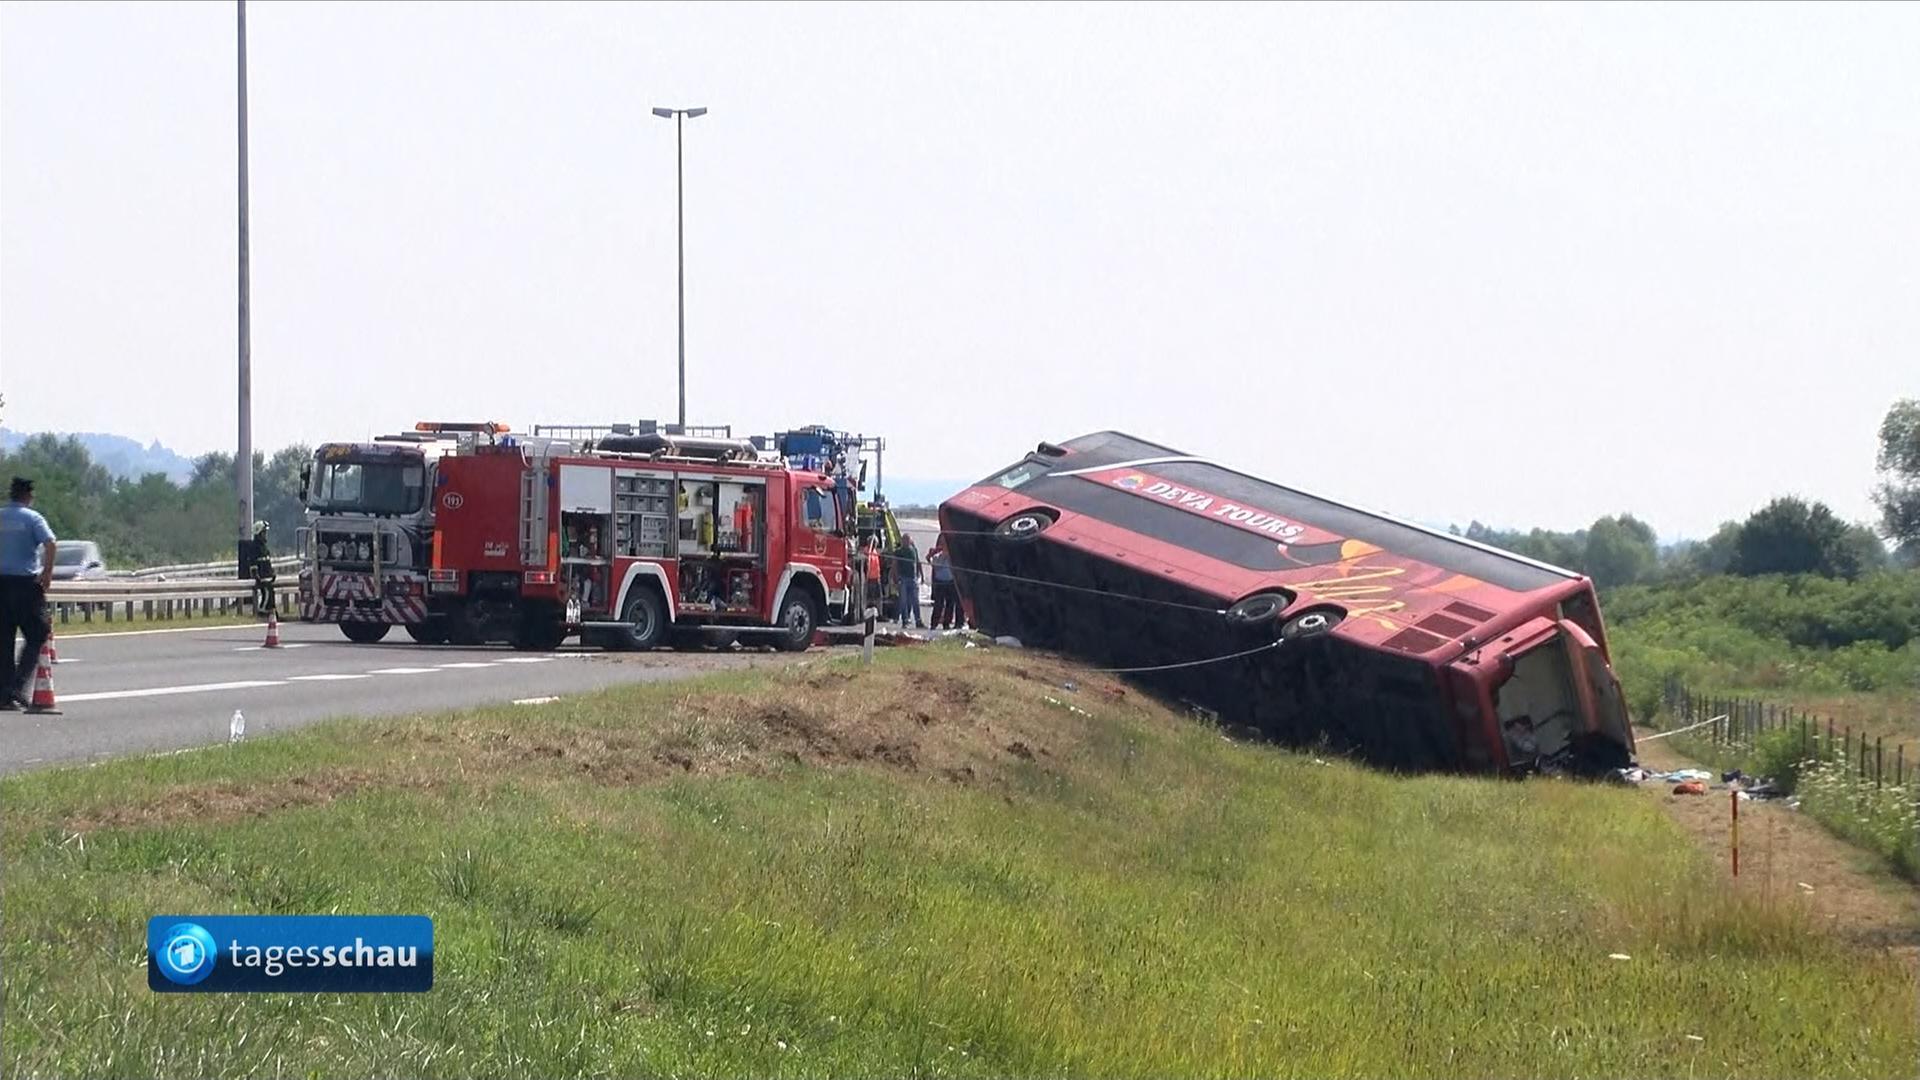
(946, 596)
(906, 562)
(26, 569)
(263, 576)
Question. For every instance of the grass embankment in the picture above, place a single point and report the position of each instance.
(1845, 654)
(925, 867)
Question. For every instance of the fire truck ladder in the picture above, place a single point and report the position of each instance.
(581, 433)
(533, 517)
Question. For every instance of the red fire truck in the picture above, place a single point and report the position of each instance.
(640, 541)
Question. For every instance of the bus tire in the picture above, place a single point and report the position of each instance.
(1310, 624)
(364, 633)
(799, 617)
(1024, 526)
(646, 619)
(1260, 609)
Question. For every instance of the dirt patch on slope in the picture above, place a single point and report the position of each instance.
(970, 726)
(1786, 855)
(232, 801)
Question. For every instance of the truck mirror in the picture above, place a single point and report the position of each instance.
(863, 476)
(306, 477)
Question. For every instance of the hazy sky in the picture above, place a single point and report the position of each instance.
(1526, 264)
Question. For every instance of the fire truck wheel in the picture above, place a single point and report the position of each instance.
(1310, 624)
(798, 617)
(428, 633)
(646, 619)
(365, 633)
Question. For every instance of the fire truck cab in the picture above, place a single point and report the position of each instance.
(365, 545)
(641, 540)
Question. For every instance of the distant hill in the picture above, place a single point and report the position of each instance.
(120, 455)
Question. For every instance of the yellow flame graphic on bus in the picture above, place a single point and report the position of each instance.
(1354, 586)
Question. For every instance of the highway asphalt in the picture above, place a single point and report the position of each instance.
(156, 690)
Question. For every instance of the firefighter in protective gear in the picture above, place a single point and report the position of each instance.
(262, 569)
(874, 592)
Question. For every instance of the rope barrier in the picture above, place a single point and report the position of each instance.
(1676, 731)
(1274, 644)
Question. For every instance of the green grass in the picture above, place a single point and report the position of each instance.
(722, 878)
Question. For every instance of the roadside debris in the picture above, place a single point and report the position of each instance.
(1691, 787)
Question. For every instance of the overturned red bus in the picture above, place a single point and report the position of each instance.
(1296, 615)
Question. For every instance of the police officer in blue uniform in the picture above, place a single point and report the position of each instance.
(26, 569)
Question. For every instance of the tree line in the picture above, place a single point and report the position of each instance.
(150, 520)
(1789, 535)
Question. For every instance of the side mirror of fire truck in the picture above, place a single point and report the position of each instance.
(306, 478)
(862, 482)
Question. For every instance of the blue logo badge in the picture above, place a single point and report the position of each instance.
(187, 954)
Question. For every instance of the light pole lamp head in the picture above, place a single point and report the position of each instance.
(664, 114)
(668, 114)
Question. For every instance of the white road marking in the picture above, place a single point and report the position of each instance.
(74, 660)
(402, 671)
(163, 691)
(470, 664)
(534, 700)
(525, 659)
(324, 678)
(255, 627)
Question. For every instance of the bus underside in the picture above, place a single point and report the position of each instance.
(1388, 710)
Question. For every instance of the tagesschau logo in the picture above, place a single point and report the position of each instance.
(337, 954)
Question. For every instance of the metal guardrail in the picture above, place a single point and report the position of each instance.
(221, 569)
(83, 601)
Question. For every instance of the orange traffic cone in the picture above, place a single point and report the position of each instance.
(273, 630)
(53, 651)
(42, 702)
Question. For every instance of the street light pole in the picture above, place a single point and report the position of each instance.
(243, 453)
(679, 116)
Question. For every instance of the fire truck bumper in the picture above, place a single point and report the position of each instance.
(344, 596)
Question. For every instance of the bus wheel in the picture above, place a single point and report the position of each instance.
(1310, 624)
(646, 619)
(1023, 526)
(365, 633)
(431, 632)
(1258, 609)
(798, 617)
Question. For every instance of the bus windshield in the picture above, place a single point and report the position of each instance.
(368, 487)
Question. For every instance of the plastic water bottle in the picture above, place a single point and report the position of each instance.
(237, 727)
